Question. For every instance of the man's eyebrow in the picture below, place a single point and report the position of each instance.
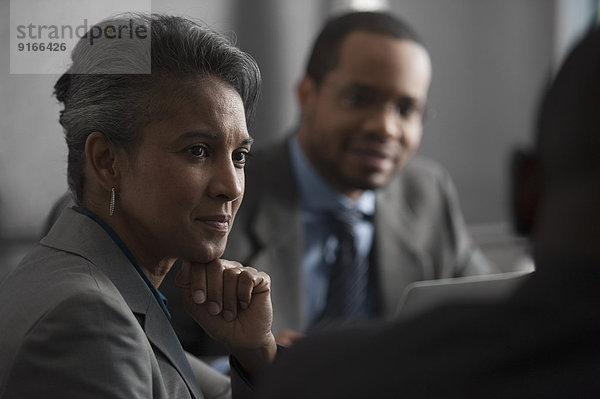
(371, 90)
(198, 134)
(249, 141)
(362, 86)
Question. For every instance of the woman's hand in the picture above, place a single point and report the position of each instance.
(288, 337)
(232, 303)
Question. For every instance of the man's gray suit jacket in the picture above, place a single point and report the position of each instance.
(420, 233)
(78, 321)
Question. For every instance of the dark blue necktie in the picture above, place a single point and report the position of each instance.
(348, 275)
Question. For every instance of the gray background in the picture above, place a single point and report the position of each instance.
(492, 59)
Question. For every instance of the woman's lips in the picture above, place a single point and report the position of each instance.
(217, 222)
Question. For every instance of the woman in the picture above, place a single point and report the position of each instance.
(156, 168)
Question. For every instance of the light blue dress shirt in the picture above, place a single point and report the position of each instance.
(320, 242)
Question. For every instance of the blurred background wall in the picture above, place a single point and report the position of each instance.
(491, 58)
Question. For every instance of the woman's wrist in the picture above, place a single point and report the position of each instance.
(253, 360)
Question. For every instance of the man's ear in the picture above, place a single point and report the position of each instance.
(102, 160)
(306, 92)
(525, 190)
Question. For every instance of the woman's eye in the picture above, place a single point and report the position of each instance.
(197, 151)
(240, 157)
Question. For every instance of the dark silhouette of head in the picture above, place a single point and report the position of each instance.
(557, 185)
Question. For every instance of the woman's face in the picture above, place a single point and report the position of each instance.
(179, 195)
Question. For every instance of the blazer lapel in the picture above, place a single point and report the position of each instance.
(279, 231)
(160, 334)
(77, 233)
(397, 256)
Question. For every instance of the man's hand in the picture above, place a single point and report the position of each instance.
(232, 303)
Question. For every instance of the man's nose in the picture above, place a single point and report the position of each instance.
(385, 123)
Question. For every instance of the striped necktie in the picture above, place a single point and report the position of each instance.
(348, 275)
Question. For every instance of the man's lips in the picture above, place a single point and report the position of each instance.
(217, 222)
(373, 158)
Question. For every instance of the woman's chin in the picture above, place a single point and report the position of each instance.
(207, 253)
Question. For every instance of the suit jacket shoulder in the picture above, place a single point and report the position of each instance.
(79, 317)
(420, 232)
(65, 322)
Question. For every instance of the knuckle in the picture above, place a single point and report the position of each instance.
(230, 274)
(229, 263)
(265, 277)
(216, 265)
(246, 277)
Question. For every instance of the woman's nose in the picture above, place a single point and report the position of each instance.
(227, 181)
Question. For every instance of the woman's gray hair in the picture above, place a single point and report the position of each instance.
(109, 87)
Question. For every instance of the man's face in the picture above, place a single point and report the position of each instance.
(365, 119)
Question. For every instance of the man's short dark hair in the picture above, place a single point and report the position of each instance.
(325, 53)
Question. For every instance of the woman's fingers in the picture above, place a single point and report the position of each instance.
(214, 286)
(223, 286)
(230, 285)
(198, 282)
(251, 281)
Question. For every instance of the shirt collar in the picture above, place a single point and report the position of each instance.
(317, 194)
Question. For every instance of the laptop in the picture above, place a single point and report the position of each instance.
(421, 296)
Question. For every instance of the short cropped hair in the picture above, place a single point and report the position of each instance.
(324, 56)
(568, 136)
(120, 105)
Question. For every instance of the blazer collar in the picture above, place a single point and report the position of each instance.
(78, 234)
(278, 230)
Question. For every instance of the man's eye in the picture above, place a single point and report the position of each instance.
(408, 108)
(198, 151)
(359, 99)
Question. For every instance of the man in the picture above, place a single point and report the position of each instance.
(363, 101)
(542, 341)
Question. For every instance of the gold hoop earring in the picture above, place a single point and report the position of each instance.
(111, 206)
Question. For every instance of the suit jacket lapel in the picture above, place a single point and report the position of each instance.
(279, 230)
(396, 252)
(77, 233)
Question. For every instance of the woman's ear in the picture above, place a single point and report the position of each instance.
(525, 190)
(102, 160)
